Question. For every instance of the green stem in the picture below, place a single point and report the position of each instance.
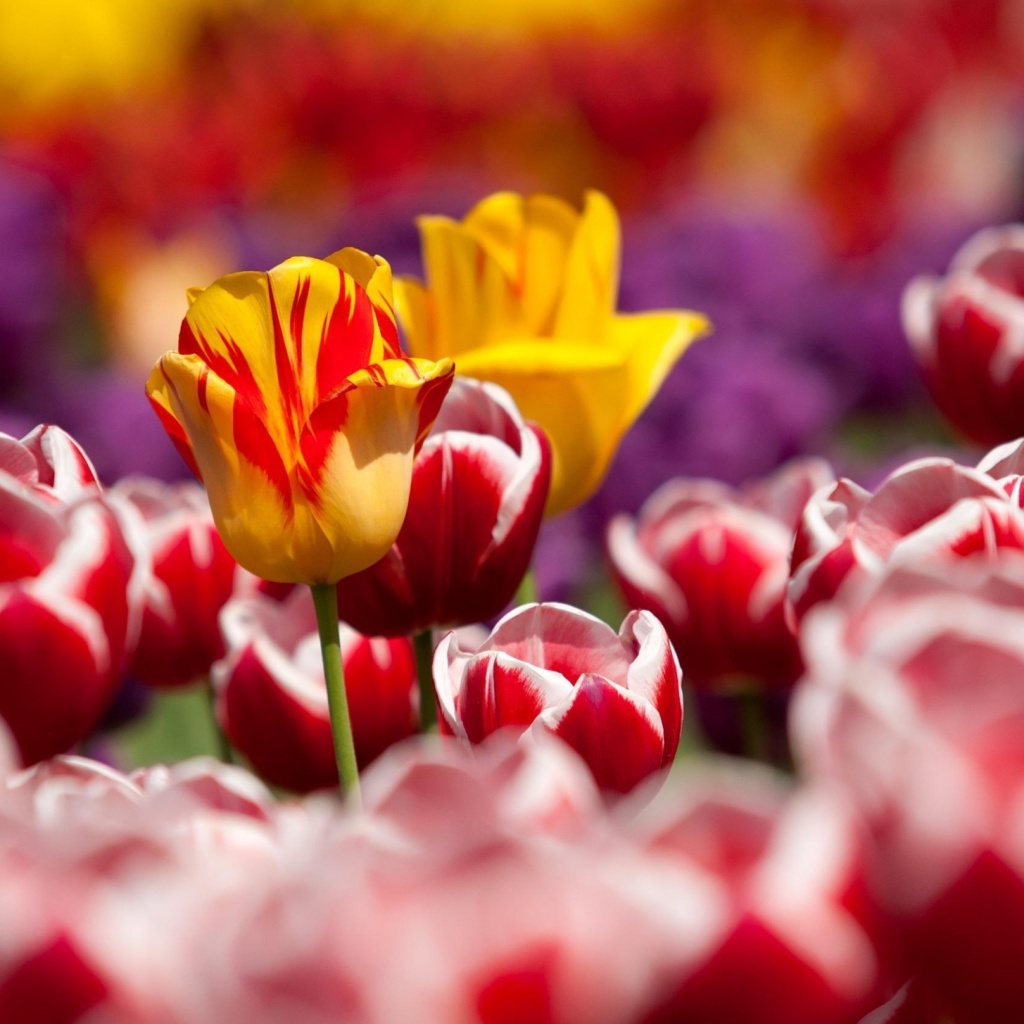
(754, 723)
(325, 600)
(526, 592)
(223, 746)
(423, 643)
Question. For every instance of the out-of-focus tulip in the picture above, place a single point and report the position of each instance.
(50, 461)
(616, 699)
(913, 705)
(478, 489)
(522, 292)
(789, 936)
(291, 400)
(69, 593)
(966, 330)
(193, 576)
(712, 564)
(928, 509)
(272, 701)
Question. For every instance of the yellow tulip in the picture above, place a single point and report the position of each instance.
(522, 292)
(292, 402)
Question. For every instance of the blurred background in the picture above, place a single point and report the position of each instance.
(783, 165)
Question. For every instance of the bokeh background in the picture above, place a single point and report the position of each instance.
(783, 165)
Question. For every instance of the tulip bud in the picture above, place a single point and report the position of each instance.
(478, 489)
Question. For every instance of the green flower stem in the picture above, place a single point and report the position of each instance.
(223, 745)
(325, 600)
(754, 723)
(423, 643)
(526, 592)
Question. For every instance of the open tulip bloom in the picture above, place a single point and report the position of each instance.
(616, 699)
(290, 398)
(522, 292)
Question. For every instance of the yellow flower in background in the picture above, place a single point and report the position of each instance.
(292, 402)
(522, 292)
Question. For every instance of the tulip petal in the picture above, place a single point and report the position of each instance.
(654, 674)
(357, 454)
(499, 690)
(651, 344)
(249, 485)
(562, 639)
(530, 238)
(591, 282)
(617, 733)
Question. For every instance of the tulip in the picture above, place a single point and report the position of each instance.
(616, 699)
(193, 576)
(68, 592)
(271, 698)
(928, 509)
(712, 564)
(522, 292)
(913, 707)
(965, 330)
(50, 461)
(789, 936)
(290, 399)
(478, 491)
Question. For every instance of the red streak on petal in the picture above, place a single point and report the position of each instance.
(201, 389)
(298, 318)
(254, 444)
(347, 339)
(283, 362)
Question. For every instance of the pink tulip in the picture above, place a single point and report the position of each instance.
(967, 331)
(712, 564)
(616, 699)
(478, 490)
(914, 706)
(193, 577)
(271, 697)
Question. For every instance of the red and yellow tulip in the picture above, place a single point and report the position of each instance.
(291, 400)
(522, 292)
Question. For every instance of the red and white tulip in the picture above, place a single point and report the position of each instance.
(614, 698)
(479, 484)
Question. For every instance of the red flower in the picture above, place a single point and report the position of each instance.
(478, 490)
(193, 576)
(712, 564)
(967, 331)
(272, 702)
(616, 699)
(69, 593)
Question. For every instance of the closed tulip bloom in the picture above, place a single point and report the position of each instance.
(291, 400)
(522, 292)
(616, 699)
(193, 576)
(966, 331)
(475, 509)
(272, 701)
(68, 587)
(712, 563)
